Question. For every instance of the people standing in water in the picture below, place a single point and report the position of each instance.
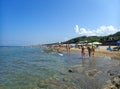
(68, 47)
(83, 51)
(89, 51)
(93, 50)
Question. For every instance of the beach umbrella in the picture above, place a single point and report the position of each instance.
(90, 43)
(96, 43)
(118, 42)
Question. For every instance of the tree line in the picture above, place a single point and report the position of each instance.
(105, 40)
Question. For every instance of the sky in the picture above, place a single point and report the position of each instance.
(27, 22)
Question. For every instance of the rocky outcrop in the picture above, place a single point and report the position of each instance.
(114, 80)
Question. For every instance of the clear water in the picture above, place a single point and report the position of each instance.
(32, 68)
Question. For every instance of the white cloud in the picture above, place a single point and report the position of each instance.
(76, 29)
(101, 31)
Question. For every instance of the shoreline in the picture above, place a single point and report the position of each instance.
(101, 51)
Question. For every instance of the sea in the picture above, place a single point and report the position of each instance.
(26, 67)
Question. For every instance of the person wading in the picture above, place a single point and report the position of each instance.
(83, 51)
(89, 51)
(93, 50)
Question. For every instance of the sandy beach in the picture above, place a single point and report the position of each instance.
(101, 51)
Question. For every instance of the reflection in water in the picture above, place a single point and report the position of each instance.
(91, 62)
(83, 62)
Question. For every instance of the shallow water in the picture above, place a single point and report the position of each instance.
(32, 68)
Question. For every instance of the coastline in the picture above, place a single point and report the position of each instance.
(101, 51)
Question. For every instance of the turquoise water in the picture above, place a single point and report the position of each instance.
(33, 68)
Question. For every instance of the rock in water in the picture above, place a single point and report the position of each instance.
(92, 73)
(115, 78)
(109, 86)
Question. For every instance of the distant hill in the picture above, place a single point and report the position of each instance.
(105, 40)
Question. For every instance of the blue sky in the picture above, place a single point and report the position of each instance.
(26, 22)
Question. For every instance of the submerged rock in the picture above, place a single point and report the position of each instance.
(115, 77)
(113, 73)
(42, 84)
(66, 79)
(116, 82)
(71, 87)
(70, 70)
(63, 72)
(92, 73)
(74, 70)
(109, 86)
